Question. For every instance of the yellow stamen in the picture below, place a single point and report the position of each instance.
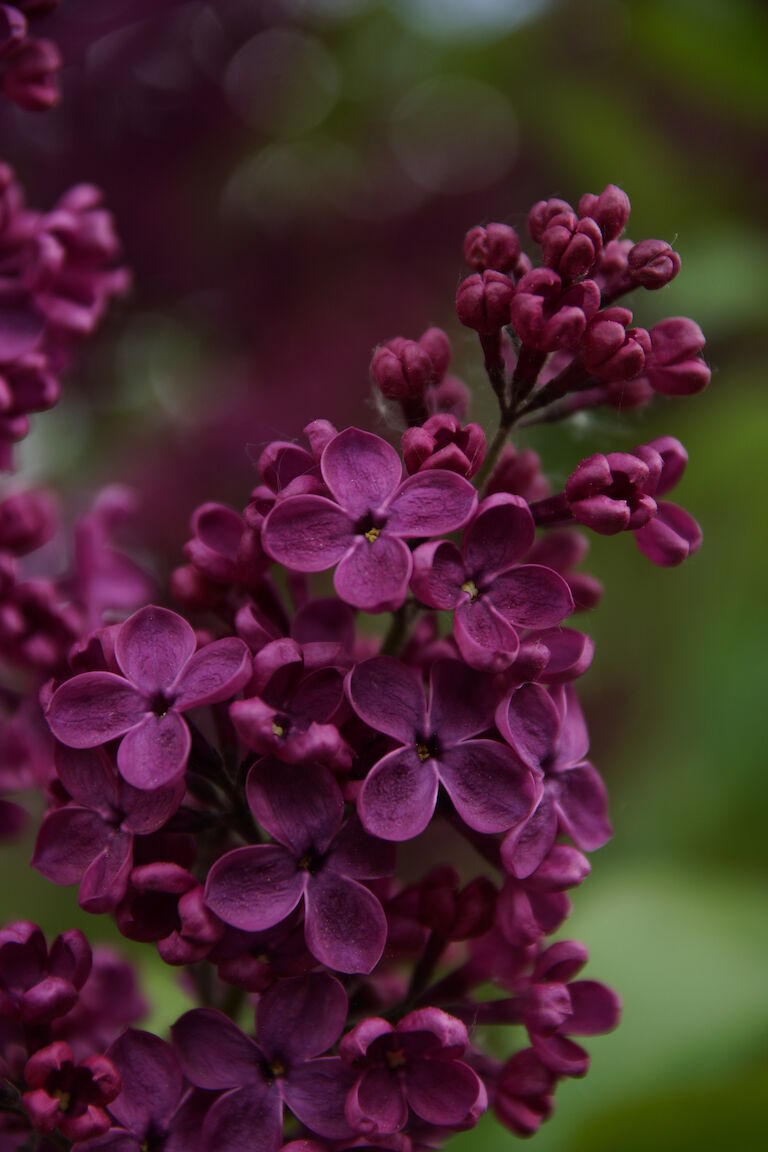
(396, 1059)
(471, 589)
(372, 534)
(422, 752)
(278, 729)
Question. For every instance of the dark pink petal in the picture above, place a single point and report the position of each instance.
(531, 596)
(152, 647)
(301, 1017)
(216, 672)
(316, 1092)
(461, 701)
(345, 925)
(155, 752)
(246, 1120)
(561, 1055)
(254, 888)
(490, 789)
(118, 1140)
(449, 1032)
(318, 696)
(377, 1104)
(398, 796)
(105, 882)
(596, 1009)
(442, 1092)
(530, 723)
(502, 531)
(301, 807)
(570, 654)
(438, 574)
(430, 504)
(151, 1081)
(374, 576)
(484, 638)
(89, 777)
(355, 1043)
(20, 328)
(389, 696)
(573, 744)
(361, 471)
(68, 840)
(524, 849)
(670, 537)
(583, 807)
(93, 708)
(146, 812)
(213, 1052)
(307, 533)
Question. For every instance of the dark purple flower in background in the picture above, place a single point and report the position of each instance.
(163, 677)
(415, 1065)
(28, 66)
(364, 528)
(68, 1095)
(492, 594)
(489, 787)
(297, 1020)
(317, 858)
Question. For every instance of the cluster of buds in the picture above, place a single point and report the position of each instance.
(29, 65)
(234, 781)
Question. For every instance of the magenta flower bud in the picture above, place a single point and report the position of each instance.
(610, 210)
(438, 347)
(495, 246)
(653, 263)
(27, 521)
(31, 75)
(611, 350)
(675, 367)
(541, 214)
(402, 369)
(441, 442)
(483, 301)
(610, 493)
(571, 246)
(519, 473)
(524, 1093)
(547, 318)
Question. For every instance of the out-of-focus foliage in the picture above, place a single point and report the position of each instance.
(328, 214)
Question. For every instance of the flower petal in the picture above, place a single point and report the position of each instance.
(89, 777)
(246, 1120)
(596, 1009)
(583, 807)
(213, 1052)
(489, 787)
(254, 888)
(151, 1081)
(374, 576)
(68, 840)
(216, 672)
(398, 796)
(531, 596)
(438, 574)
(461, 701)
(316, 1092)
(93, 708)
(106, 880)
(302, 807)
(155, 752)
(345, 926)
(307, 533)
(442, 1092)
(301, 1017)
(361, 471)
(431, 504)
(529, 721)
(502, 531)
(152, 647)
(389, 697)
(524, 848)
(377, 1104)
(484, 638)
(670, 536)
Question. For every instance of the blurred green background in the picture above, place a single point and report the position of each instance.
(433, 114)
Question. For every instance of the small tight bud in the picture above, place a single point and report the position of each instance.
(483, 301)
(494, 246)
(610, 209)
(653, 263)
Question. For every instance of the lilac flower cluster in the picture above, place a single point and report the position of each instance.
(236, 779)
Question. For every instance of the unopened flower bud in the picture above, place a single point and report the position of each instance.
(653, 263)
(541, 214)
(674, 367)
(441, 442)
(483, 301)
(571, 246)
(610, 209)
(610, 349)
(494, 246)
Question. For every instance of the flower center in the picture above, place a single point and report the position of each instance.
(309, 862)
(277, 1068)
(372, 534)
(370, 527)
(64, 1099)
(160, 704)
(471, 589)
(396, 1058)
(426, 748)
(280, 726)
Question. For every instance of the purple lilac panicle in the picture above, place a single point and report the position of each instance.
(268, 789)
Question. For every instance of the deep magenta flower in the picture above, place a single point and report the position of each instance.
(524, 1093)
(610, 349)
(489, 787)
(494, 246)
(90, 841)
(492, 594)
(297, 1020)
(290, 712)
(364, 528)
(39, 984)
(548, 316)
(548, 733)
(569, 245)
(404, 369)
(653, 263)
(610, 208)
(673, 534)
(415, 1065)
(317, 858)
(441, 442)
(612, 493)
(675, 366)
(536, 905)
(163, 677)
(67, 1094)
(483, 301)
